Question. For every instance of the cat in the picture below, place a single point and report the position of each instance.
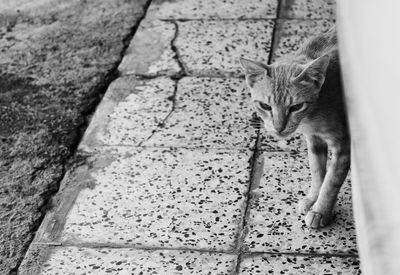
(304, 94)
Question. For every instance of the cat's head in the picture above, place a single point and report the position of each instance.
(285, 92)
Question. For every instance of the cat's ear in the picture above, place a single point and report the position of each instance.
(253, 70)
(314, 72)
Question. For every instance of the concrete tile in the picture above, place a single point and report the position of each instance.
(291, 34)
(214, 47)
(73, 260)
(308, 9)
(294, 144)
(209, 112)
(298, 265)
(157, 197)
(129, 112)
(212, 9)
(274, 224)
(150, 52)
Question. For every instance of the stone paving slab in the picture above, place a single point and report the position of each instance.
(308, 9)
(291, 34)
(298, 265)
(129, 112)
(274, 224)
(213, 9)
(209, 112)
(158, 197)
(101, 261)
(213, 48)
(150, 52)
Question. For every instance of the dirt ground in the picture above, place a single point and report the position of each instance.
(56, 61)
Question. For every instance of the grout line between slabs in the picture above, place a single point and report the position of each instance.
(301, 254)
(180, 76)
(253, 170)
(246, 213)
(241, 254)
(274, 34)
(213, 19)
(260, 150)
(240, 19)
(133, 247)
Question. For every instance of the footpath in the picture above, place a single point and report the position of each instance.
(171, 177)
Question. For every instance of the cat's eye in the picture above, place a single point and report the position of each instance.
(296, 107)
(264, 106)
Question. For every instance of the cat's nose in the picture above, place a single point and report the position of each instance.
(280, 133)
(279, 128)
(279, 120)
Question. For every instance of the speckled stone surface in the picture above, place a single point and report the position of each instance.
(129, 112)
(150, 52)
(291, 34)
(274, 224)
(72, 260)
(308, 9)
(267, 264)
(209, 112)
(214, 47)
(294, 144)
(213, 9)
(159, 197)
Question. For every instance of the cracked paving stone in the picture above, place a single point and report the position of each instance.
(213, 9)
(150, 52)
(101, 261)
(298, 265)
(158, 197)
(209, 112)
(129, 112)
(308, 9)
(274, 224)
(213, 48)
(291, 34)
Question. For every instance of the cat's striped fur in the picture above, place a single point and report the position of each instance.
(303, 93)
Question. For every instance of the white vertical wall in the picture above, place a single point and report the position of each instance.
(369, 42)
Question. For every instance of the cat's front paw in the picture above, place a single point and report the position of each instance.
(305, 205)
(316, 219)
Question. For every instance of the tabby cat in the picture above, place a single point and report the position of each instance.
(304, 94)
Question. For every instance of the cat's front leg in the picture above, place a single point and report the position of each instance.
(317, 155)
(321, 213)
